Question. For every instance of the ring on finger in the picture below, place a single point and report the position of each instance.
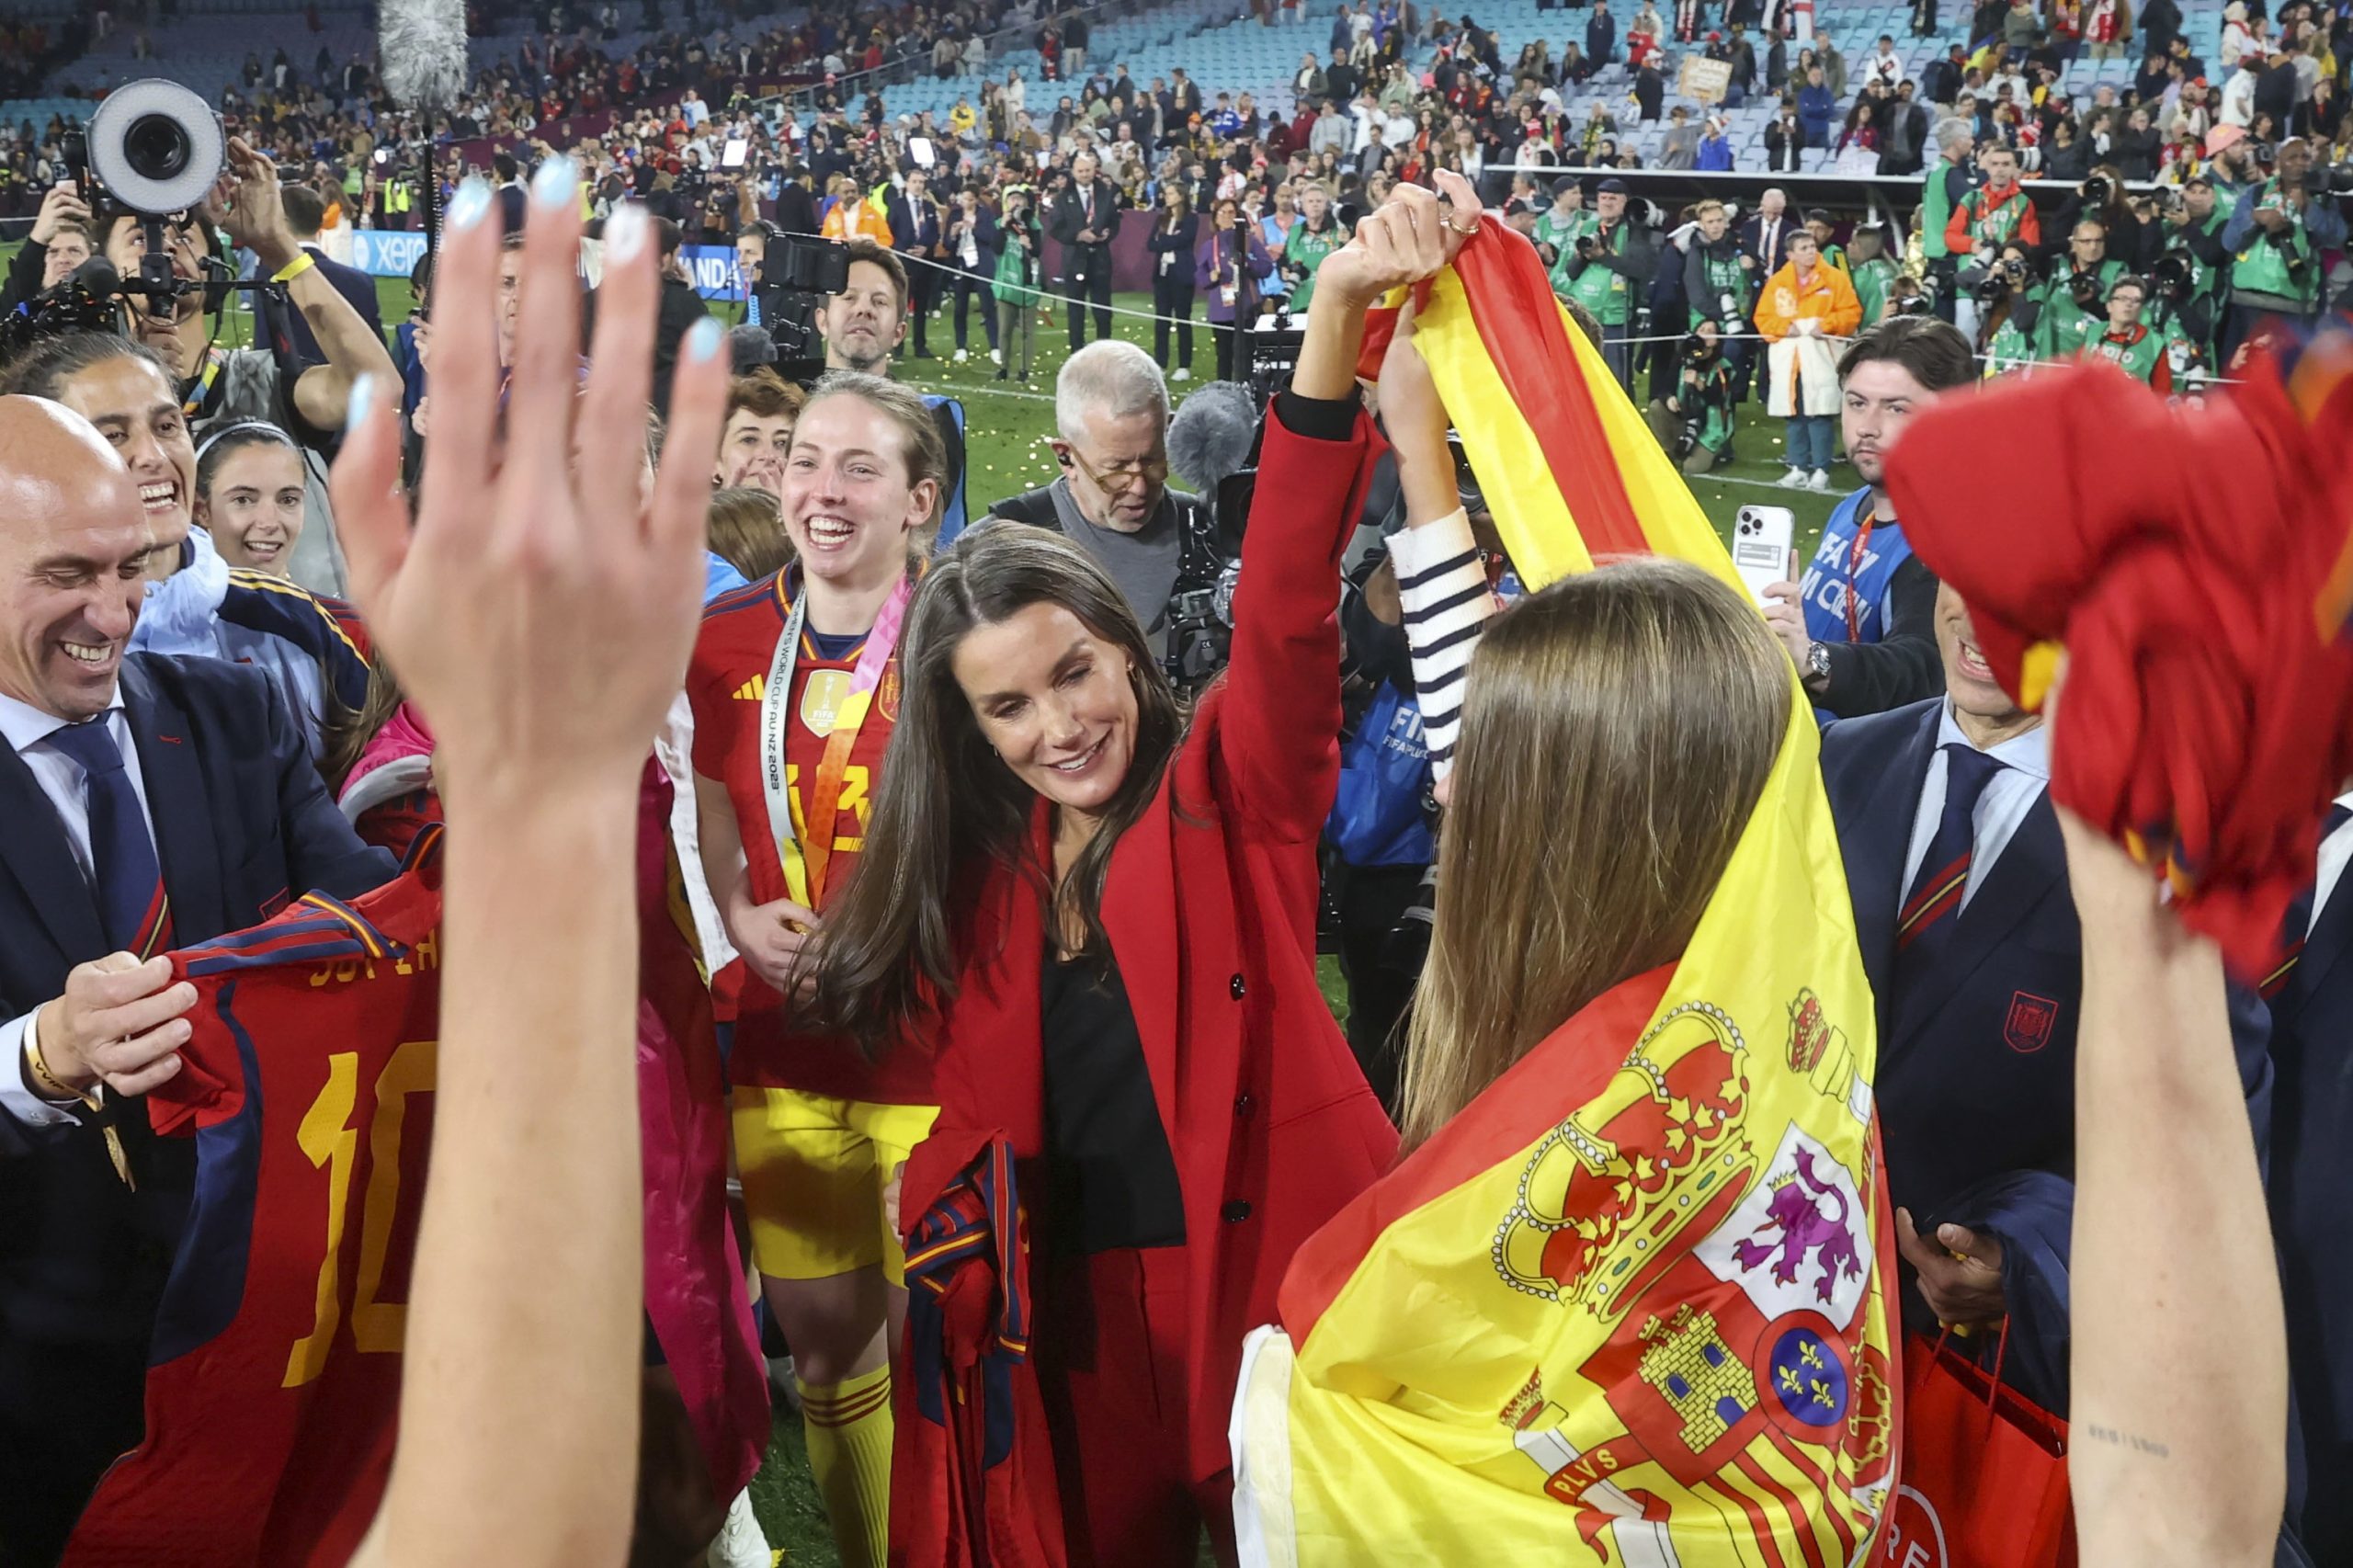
(1459, 227)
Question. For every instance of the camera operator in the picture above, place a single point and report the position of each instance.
(2131, 243)
(1942, 189)
(1718, 279)
(248, 204)
(1695, 422)
(1113, 500)
(1604, 266)
(2009, 310)
(2194, 221)
(2276, 236)
(2074, 300)
(58, 243)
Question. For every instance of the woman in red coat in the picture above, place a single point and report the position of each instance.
(1106, 918)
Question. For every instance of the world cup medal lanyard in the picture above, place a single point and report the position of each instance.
(806, 864)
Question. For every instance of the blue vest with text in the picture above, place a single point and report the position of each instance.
(952, 512)
(1834, 576)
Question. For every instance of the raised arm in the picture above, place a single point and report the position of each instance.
(2188, 1467)
(255, 219)
(540, 615)
(1279, 714)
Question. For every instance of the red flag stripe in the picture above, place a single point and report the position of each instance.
(1800, 1526)
(1760, 1527)
(1505, 286)
(1835, 1498)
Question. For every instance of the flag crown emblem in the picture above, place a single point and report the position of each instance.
(1636, 1167)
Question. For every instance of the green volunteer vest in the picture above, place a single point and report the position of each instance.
(1724, 277)
(2008, 349)
(2063, 324)
(1935, 211)
(1602, 292)
(1009, 286)
(1307, 251)
(1997, 227)
(1872, 278)
(2262, 267)
(1562, 237)
(2138, 358)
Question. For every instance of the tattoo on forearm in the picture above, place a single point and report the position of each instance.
(2132, 1440)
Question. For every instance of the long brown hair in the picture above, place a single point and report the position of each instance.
(947, 807)
(1617, 730)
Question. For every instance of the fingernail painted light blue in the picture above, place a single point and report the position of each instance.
(557, 179)
(363, 397)
(466, 208)
(702, 338)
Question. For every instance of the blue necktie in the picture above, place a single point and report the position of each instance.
(131, 902)
(1932, 904)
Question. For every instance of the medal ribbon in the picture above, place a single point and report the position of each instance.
(808, 855)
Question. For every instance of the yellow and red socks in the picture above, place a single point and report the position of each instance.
(848, 1428)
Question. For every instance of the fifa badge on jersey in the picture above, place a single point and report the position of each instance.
(822, 700)
(2027, 1028)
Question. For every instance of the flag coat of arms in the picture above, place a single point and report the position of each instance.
(1629, 1307)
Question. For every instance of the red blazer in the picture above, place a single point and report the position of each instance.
(1211, 905)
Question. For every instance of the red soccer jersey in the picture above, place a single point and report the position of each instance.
(727, 685)
(274, 1380)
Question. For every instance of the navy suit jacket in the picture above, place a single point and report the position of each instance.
(1976, 1079)
(242, 823)
(291, 340)
(2312, 1166)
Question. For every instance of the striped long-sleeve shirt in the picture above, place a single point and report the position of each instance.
(1442, 584)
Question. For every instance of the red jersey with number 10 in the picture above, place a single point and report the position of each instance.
(273, 1381)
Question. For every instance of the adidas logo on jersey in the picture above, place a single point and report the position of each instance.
(752, 690)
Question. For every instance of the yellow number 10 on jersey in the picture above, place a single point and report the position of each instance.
(331, 1140)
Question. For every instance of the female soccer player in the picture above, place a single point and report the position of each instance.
(795, 687)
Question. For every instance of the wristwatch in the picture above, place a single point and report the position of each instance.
(1817, 664)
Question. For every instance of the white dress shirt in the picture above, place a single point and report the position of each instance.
(27, 729)
(2336, 853)
(2009, 796)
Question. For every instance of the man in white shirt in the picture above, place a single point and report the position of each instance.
(1885, 66)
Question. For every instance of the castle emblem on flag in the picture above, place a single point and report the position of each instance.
(1695, 1371)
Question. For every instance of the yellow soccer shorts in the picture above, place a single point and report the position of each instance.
(814, 1169)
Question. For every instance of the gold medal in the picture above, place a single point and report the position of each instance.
(822, 700)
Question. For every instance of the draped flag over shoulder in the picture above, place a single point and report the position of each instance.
(1631, 1307)
(1567, 465)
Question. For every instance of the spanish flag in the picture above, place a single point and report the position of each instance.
(1569, 469)
(1631, 1307)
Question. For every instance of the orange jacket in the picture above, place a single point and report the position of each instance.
(1828, 297)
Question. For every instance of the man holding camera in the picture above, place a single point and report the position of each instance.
(2074, 300)
(1604, 268)
(2276, 237)
(1113, 500)
(2194, 223)
(58, 243)
(1695, 422)
(1559, 227)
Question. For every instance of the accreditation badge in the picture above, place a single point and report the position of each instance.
(822, 700)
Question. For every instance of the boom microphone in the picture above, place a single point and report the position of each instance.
(421, 55)
(421, 48)
(1209, 438)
